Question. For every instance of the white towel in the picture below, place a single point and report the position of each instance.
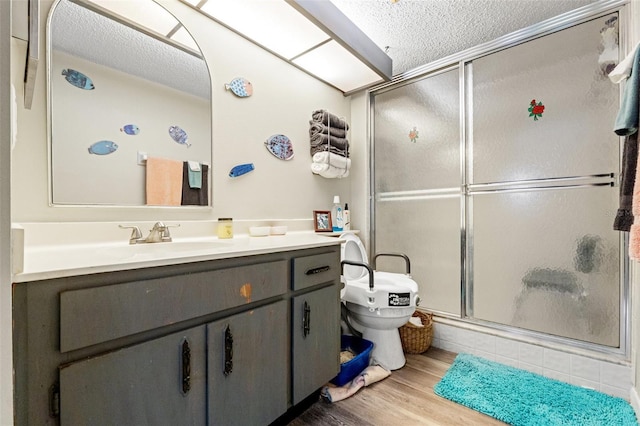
(330, 165)
(194, 166)
(416, 321)
(333, 159)
(623, 69)
(328, 171)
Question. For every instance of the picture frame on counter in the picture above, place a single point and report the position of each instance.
(322, 221)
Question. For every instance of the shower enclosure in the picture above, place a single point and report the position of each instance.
(497, 175)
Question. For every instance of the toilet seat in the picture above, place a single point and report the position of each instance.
(391, 290)
(353, 249)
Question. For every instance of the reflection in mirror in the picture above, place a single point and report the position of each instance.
(129, 106)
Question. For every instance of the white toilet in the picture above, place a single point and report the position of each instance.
(376, 312)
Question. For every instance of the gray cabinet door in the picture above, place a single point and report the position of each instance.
(315, 339)
(247, 366)
(160, 382)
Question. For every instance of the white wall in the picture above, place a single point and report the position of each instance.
(283, 100)
(359, 201)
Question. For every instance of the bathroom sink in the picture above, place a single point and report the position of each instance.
(153, 250)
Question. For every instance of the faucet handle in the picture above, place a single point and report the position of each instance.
(158, 226)
(136, 234)
(166, 236)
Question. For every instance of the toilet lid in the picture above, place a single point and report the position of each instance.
(353, 249)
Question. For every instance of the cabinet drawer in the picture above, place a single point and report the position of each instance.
(94, 315)
(311, 270)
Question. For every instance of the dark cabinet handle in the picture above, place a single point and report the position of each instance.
(318, 270)
(186, 367)
(306, 320)
(228, 351)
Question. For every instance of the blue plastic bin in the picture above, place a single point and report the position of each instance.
(350, 369)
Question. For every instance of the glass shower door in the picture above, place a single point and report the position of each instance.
(507, 211)
(543, 255)
(418, 192)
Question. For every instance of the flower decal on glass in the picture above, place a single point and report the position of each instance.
(535, 109)
(413, 134)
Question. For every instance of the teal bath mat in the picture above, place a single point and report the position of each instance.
(522, 398)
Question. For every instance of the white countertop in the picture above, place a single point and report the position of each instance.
(47, 261)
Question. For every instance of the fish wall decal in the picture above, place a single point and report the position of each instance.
(130, 129)
(77, 79)
(103, 148)
(240, 87)
(179, 135)
(280, 146)
(241, 169)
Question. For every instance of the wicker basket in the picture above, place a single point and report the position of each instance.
(416, 340)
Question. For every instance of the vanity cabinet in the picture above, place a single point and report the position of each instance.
(154, 383)
(315, 341)
(247, 358)
(217, 342)
(315, 323)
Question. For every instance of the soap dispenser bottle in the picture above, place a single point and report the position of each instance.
(336, 215)
(346, 218)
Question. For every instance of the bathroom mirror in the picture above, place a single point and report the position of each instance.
(126, 83)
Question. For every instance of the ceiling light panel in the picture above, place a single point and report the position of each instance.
(337, 66)
(270, 23)
(144, 12)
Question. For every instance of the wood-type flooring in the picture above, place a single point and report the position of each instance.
(405, 398)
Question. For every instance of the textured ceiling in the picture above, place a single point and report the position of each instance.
(83, 33)
(418, 32)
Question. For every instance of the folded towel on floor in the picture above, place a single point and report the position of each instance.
(163, 182)
(317, 128)
(325, 117)
(374, 373)
(370, 375)
(192, 196)
(322, 139)
(624, 216)
(335, 394)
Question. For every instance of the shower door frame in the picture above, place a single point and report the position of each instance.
(462, 61)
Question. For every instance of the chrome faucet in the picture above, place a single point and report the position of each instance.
(158, 234)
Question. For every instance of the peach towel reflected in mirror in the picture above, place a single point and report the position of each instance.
(164, 182)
